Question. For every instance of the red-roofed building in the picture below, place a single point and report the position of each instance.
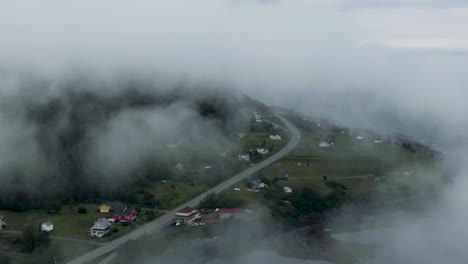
(187, 216)
(124, 214)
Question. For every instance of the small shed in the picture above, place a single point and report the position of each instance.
(104, 208)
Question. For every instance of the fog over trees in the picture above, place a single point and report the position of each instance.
(91, 91)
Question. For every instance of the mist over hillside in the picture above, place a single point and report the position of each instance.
(95, 94)
(88, 137)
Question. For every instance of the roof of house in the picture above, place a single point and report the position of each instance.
(101, 223)
(229, 210)
(48, 223)
(123, 211)
(186, 210)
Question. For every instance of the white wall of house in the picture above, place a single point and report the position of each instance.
(47, 227)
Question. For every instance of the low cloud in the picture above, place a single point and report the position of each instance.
(395, 66)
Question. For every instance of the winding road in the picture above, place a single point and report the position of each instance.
(165, 220)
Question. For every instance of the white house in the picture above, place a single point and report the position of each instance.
(2, 221)
(100, 228)
(287, 190)
(262, 151)
(359, 138)
(324, 144)
(275, 137)
(47, 226)
(245, 157)
(377, 141)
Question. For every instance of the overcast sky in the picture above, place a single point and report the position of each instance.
(346, 59)
(396, 65)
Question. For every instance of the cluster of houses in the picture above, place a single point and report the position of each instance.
(246, 157)
(258, 118)
(261, 151)
(103, 226)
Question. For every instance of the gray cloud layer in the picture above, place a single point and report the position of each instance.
(392, 65)
(311, 55)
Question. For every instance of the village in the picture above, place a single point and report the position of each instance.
(282, 187)
(114, 221)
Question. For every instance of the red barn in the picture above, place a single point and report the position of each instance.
(124, 214)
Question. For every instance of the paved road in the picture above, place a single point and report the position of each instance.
(167, 218)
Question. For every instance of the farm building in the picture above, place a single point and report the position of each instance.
(124, 214)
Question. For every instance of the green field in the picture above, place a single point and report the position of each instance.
(67, 223)
(308, 163)
(258, 140)
(172, 194)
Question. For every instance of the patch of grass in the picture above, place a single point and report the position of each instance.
(72, 249)
(171, 194)
(68, 223)
(308, 163)
(253, 140)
